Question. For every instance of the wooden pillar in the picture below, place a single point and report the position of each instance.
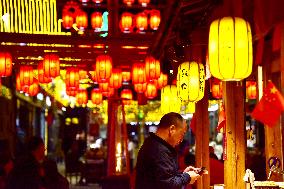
(235, 131)
(202, 138)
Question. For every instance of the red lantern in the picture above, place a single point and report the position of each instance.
(155, 19)
(151, 91)
(152, 68)
(108, 93)
(41, 76)
(71, 92)
(96, 96)
(68, 20)
(33, 89)
(5, 64)
(115, 80)
(162, 81)
(126, 94)
(138, 73)
(141, 21)
(72, 78)
(251, 89)
(104, 87)
(103, 68)
(26, 75)
(71, 8)
(216, 88)
(82, 74)
(144, 2)
(82, 20)
(97, 1)
(128, 2)
(140, 87)
(19, 87)
(96, 20)
(126, 76)
(126, 20)
(51, 65)
(82, 97)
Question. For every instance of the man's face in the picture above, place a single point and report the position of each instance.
(178, 132)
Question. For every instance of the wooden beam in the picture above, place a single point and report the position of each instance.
(235, 131)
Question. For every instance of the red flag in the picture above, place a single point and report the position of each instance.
(270, 106)
(193, 124)
(221, 119)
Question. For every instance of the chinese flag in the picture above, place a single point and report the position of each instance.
(270, 106)
(193, 124)
(221, 119)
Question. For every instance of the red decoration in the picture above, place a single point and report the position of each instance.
(68, 20)
(108, 93)
(144, 2)
(251, 89)
(96, 96)
(72, 78)
(71, 8)
(71, 92)
(26, 75)
(126, 22)
(19, 87)
(115, 80)
(216, 88)
(140, 87)
(82, 97)
(138, 73)
(33, 89)
(151, 91)
(270, 106)
(152, 68)
(98, 1)
(82, 20)
(155, 19)
(162, 81)
(128, 2)
(126, 94)
(221, 118)
(83, 74)
(103, 68)
(126, 76)
(104, 87)
(51, 65)
(141, 21)
(41, 76)
(5, 64)
(96, 20)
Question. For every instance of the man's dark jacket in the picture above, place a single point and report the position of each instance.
(157, 166)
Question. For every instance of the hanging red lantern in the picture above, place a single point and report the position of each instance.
(83, 74)
(33, 89)
(126, 94)
(162, 81)
(72, 78)
(71, 8)
(96, 96)
(5, 64)
(126, 76)
(141, 21)
(71, 92)
(126, 22)
(51, 65)
(82, 97)
(82, 20)
(151, 91)
(115, 80)
(96, 20)
(155, 19)
(98, 1)
(138, 73)
(103, 68)
(152, 68)
(216, 88)
(251, 89)
(144, 2)
(19, 87)
(128, 2)
(26, 75)
(140, 87)
(68, 20)
(41, 77)
(108, 93)
(104, 87)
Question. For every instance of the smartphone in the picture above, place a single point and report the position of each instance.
(201, 171)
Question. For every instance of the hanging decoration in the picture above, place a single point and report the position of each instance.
(96, 20)
(26, 75)
(108, 93)
(144, 3)
(104, 87)
(41, 77)
(230, 49)
(128, 2)
(126, 94)
(82, 20)
(140, 87)
(155, 19)
(138, 73)
(98, 1)
(69, 13)
(126, 76)
(51, 65)
(70, 92)
(5, 64)
(216, 88)
(72, 78)
(251, 89)
(96, 96)
(169, 100)
(126, 22)
(82, 97)
(33, 89)
(141, 21)
(151, 91)
(115, 80)
(103, 68)
(162, 81)
(152, 68)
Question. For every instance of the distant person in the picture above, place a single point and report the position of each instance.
(212, 153)
(52, 178)
(157, 165)
(27, 172)
(6, 165)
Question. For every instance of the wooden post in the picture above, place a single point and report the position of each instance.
(235, 131)
(202, 138)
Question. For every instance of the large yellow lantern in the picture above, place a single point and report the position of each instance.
(169, 100)
(190, 81)
(230, 49)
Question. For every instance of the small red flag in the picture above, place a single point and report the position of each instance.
(270, 106)
(193, 124)
(221, 119)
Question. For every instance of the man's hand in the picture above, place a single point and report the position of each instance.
(191, 168)
(193, 176)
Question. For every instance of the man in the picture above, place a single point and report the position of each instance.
(157, 165)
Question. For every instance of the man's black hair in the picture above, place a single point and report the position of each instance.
(169, 119)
